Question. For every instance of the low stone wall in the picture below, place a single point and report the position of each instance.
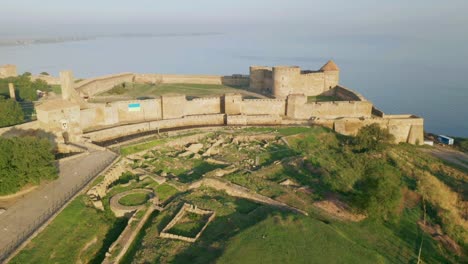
(187, 208)
(126, 238)
(242, 192)
(97, 192)
(18, 129)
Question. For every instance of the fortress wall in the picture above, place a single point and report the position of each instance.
(260, 78)
(408, 130)
(263, 107)
(347, 94)
(125, 130)
(297, 107)
(243, 120)
(149, 110)
(91, 87)
(200, 106)
(173, 106)
(51, 80)
(178, 78)
(236, 81)
(290, 80)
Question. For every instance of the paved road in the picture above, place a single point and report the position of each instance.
(25, 212)
(454, 156)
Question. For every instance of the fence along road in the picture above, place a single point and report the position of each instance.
(29, 213)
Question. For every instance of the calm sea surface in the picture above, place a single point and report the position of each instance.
(422, 76)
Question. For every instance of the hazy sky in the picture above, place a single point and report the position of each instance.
(361, 16)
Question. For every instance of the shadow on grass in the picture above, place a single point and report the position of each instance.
(110, 237)
(214, 240)
(198, 171)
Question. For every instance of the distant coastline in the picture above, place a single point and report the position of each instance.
(49, 40)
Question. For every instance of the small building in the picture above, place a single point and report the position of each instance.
(429, 142)
(445, 140)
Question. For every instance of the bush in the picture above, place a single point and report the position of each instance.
(379, 192)
(26, 90)
(372, 138)
(25, 160)
(10, 113)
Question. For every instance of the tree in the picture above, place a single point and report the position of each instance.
(372, 138)
(44, 73)
(10, 112)
(25, 160)
(379, 192)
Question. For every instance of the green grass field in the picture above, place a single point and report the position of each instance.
(322, 98)
(137, 90)
(134, 199)
(64, 240)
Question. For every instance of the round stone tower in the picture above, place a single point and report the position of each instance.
(285, 78)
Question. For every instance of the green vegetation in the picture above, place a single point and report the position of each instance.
(372, 138)
(189, 225)
(44, 73)
(137, 90)
(64, 240)
(24, 87)
(56, 88)
(393, 186)
(25, 161)
(379, 192)
(132, 149)
(322, 98)
(461, 144)
(134, 199)
(10, 112)
(165, 191)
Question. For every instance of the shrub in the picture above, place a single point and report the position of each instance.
(372, 138)
(10, 112)
(379, 192)
(25, 160)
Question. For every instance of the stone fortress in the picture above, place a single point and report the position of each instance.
(74, 119)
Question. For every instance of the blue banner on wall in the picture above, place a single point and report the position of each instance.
(134, 107)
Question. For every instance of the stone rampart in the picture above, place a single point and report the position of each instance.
(347, 94)
(93, 86)
(245, 120)
(404, 128)
(125, 130)
(298, 108)
(263, 107)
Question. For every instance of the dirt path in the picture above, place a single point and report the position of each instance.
(453, 156)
